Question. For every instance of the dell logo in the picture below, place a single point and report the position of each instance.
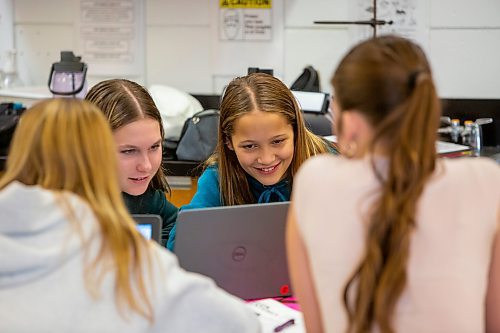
(239, 253)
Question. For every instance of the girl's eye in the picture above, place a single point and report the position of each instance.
(277, 142)
(127, 151)
(249, 147)
(155, 147)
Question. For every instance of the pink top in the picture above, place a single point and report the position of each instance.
(449, 252)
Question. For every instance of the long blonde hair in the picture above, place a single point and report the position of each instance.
(265, 93)
(388, 80)
(66, 145)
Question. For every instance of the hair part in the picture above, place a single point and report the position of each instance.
(264, 93)
(123, 102)
(389, 81)
(54, 146)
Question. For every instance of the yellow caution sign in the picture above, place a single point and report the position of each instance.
(264, 4)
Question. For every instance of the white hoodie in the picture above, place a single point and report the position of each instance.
(42, 285)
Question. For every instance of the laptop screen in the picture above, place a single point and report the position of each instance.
(149, 226)
(145, 229)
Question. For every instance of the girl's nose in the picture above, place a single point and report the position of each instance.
(144, 164)
(266, 157)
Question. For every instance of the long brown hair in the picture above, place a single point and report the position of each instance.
(54, 146)
(388, 80)
(123, 102)
(265, 93)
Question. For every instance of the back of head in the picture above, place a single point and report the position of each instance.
(123, 102)
(55, 146)
(264, 93)
(388, 81)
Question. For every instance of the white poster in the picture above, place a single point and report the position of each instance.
(111, 36)
(245, 24)
(247, 33)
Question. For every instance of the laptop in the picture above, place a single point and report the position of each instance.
(242, 248)
(149, 226)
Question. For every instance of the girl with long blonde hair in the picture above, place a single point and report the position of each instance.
(71, 259)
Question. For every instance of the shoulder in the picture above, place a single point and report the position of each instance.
(314, 176)
(322, 167)
(44, 213)
(484, 164)
(327, 182)
(212, 170)
(471, 169)
(188, 302)
(35, 200)
(208, 190)
(210, 176)
(480, 175)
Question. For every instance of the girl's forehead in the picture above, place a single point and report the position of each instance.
(140, 132)
(260, 125)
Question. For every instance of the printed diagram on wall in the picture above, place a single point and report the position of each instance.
(402, 13)
(111, 35)
(245, 20)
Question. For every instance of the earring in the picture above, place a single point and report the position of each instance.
(351, 149)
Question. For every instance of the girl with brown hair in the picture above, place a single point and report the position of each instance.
(388, 238)
(138, 132)
(262, 141)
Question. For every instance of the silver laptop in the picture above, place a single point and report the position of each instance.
(241, 247)
(149, 226)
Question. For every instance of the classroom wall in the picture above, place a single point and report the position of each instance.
(182, 47)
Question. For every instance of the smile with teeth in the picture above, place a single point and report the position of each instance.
(138, 179)
(269, 169)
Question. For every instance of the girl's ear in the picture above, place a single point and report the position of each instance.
(355, 130)
(229, 144)
(350, 125)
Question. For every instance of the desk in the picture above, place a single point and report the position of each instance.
(182, 168)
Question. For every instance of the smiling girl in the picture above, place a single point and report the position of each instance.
(262, 142)
(138, 133)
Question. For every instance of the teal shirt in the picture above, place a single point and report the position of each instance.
(208, 194)
(153, 202)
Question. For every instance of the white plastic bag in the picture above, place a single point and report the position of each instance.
(175, 107)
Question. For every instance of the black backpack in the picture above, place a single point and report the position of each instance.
(307, 81)
(9, 117)
(198, 136)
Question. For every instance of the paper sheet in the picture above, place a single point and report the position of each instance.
(273, 314)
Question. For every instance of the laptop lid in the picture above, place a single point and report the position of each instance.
(149, 226)
(241, 247)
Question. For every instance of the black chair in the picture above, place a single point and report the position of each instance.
(319, 123)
